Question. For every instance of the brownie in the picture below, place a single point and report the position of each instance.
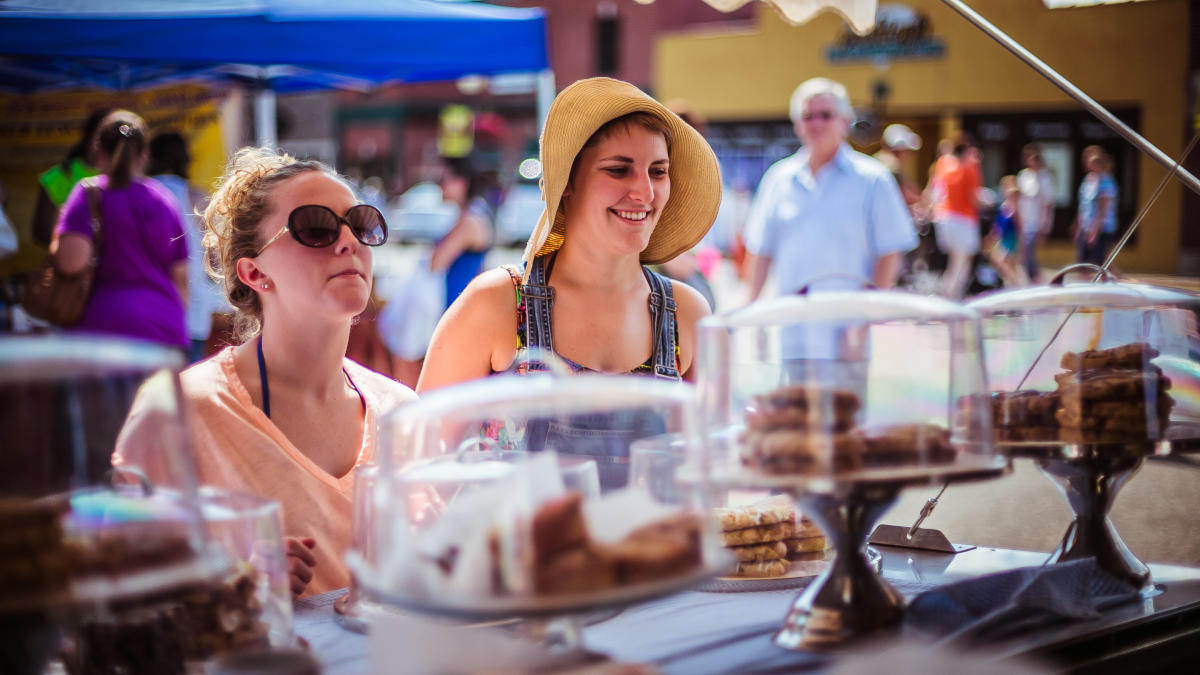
(1132, 355)
(558, 526)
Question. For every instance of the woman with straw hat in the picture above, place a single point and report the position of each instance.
(626, 183)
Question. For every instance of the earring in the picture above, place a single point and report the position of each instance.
(266, 285)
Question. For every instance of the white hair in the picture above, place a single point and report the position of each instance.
(818, 86)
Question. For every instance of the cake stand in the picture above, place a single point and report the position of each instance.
(1090, 475)
(849, 600)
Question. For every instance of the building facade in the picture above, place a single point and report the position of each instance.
(929, 68)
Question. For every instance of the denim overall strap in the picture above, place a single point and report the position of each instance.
(539, 302)
(662, 317)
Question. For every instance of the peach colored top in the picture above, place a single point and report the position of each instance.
(237, 447)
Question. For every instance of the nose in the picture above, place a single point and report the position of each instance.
(642, 189)
(346, 241)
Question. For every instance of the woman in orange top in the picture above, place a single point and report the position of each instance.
(284, 414)
(955, 216)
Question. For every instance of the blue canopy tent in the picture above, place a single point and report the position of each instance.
(281, 45)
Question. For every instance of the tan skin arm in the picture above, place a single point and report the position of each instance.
(72, 252)
(470, 233)
(887, 270)
(757, 266)
(476, 335)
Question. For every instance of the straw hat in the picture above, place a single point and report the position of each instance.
(581, 109)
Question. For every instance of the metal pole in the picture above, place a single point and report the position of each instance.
(264, 115)
(1074, 92)
(546, 92)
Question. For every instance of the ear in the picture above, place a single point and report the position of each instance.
(251, 274)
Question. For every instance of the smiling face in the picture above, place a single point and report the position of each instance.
(821, 126)
(618, 190)
(334, 281)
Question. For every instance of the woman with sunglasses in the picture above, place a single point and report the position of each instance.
(284, 414)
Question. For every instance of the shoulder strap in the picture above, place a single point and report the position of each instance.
(92, 190)
(662, 316)
(539, 302)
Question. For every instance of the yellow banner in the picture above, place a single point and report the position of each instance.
(37, 130)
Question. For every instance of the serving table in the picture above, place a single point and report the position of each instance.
(701, 632)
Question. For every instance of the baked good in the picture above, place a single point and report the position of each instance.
(1132, 355)
(757, 535)
(661, 549)
(578, 570)
(34, 558)
(558, 526)
(805, 545)
(1113, 395)
(775, 509)
(1024, 415)
(772, 550)
(791, 451)
(762, 568)
(796, 429)
(566, 560)
(908, 444)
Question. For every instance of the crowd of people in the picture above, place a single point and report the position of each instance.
(284, 246)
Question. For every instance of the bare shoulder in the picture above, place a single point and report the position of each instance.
(476, 335)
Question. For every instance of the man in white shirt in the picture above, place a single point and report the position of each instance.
(827, 209)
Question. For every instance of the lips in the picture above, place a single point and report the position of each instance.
(349, 273)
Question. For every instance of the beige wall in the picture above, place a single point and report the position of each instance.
(1123, 54)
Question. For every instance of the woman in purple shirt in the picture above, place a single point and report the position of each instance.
(141, 272)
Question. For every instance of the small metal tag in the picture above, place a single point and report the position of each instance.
(923, 538)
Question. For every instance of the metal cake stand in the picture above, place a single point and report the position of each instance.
(1090, 475)
(849, 600)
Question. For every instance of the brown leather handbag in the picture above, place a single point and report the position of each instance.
(60, 298)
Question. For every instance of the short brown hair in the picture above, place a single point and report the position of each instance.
(622, 123)
(241, 201)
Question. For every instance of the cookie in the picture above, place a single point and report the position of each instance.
(762, 568)
(757, 535)
(805, 544)
(775, 550)
(776, 509)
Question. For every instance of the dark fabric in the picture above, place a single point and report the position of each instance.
(1004, 605)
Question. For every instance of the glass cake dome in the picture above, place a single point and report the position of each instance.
(95, 532)
(521, 495)
(1110, 362)
(833, 385)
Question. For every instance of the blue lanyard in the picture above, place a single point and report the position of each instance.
(266, 390)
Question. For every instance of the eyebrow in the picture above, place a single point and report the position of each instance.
(623, 158)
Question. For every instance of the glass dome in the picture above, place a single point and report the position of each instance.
(521, 494)
(95, 532)
(837, 385)
(1092, 363)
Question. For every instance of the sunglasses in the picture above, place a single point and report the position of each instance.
(823, 115)
(318, 226)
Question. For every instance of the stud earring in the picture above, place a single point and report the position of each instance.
(266, 286)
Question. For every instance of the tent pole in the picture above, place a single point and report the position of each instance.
(546, 91)
(264, 115)
(1074, 92)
